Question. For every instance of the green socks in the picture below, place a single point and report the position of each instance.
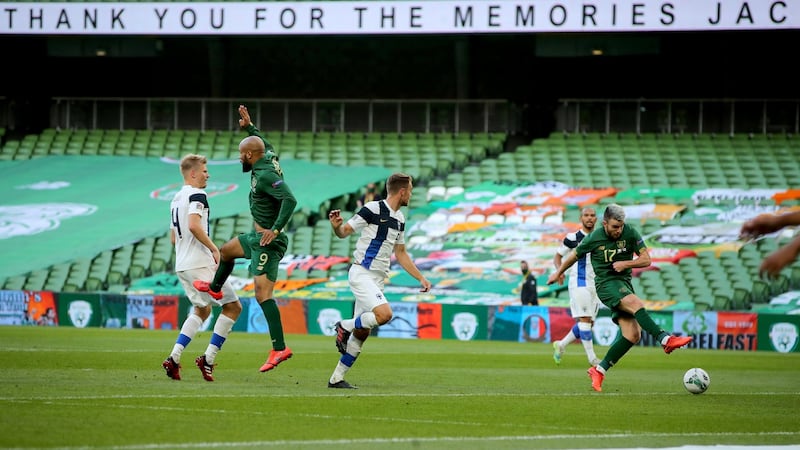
(616, 352)
(647, 324)
(622, 345)
(223, 272)
(273, 315)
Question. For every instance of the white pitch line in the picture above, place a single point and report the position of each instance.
(452, 439)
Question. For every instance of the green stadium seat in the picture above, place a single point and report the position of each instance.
(163, 255)
(142, 259)
(16, 283)
(703, 304)
(794, 276)
(242, 224)
(36, 280)
(722, 303)
(93, 285)
(90, 148)
(742, 298)
(318, 273)
(340, 247)
(10, 148)
(116, 288)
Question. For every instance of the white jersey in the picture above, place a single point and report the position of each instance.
(581, 274)
(189, 252)
(381, 229)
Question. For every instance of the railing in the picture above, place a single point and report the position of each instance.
(674, 116)
(284, 114)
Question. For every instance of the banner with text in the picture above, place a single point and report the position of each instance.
(393, 17)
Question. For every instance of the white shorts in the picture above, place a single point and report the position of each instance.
(367, 286)
(202, 299)
(584, 302)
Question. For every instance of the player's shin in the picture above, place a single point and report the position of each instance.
(223, 272)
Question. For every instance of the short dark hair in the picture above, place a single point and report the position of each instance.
(397, 181)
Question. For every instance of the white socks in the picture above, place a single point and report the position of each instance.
(353, 350)
(222, 327)
(586, 339)
(188, 329)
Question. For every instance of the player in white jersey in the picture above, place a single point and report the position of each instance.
(381, 224)
(196, 257)
(583, 300)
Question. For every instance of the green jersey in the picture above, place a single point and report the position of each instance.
(271, 201)
(605, 251)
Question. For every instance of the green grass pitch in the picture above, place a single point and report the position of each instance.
(71, 388)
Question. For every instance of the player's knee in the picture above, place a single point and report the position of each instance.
(631, 303)
(264, 294)
(232, 309)
(383, 316)
(231, 250)
(633, 335)
(202, 312)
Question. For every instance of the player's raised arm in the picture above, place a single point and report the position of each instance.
(247, 124)
(244, 117)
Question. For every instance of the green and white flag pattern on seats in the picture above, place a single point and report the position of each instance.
(61, 208)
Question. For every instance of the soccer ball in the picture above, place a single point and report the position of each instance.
(696, 380)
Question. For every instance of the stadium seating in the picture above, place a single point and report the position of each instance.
(424, 156)
(445, 164)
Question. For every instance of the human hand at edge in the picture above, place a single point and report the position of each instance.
(426, 285)
(773, 263)
(759, 225)
(244, 121)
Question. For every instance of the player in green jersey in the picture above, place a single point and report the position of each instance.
(612, 248)
(271, 205)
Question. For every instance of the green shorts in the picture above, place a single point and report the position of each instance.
(264, 260)
(611, 293)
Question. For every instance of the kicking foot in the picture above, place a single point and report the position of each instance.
(597, 378)
(276, 357)
(675, 342)
(205, 286)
